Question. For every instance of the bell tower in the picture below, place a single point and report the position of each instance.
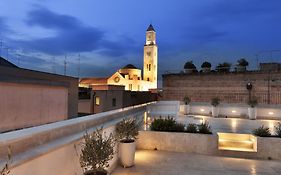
(150, 58)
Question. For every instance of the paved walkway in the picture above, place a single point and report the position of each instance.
(170, 163)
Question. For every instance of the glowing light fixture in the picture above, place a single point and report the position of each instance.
(202, 110)
(233, 111)
(270, 113)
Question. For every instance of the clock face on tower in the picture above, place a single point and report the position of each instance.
(116, 79)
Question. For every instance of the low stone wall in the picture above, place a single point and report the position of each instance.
(178, 142)
(54, 149)
(267, 148)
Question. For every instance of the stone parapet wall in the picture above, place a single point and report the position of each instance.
(229, 87)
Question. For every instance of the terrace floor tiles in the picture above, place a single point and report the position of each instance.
(172, 163)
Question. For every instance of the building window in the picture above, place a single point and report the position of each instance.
(97, 100)
(149, 67)
(130, 87)
(147, 79)
(114, 102)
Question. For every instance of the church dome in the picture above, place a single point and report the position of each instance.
(129, 66)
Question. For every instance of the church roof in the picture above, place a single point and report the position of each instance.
(129, 66)
(6, 63)
(150, 28)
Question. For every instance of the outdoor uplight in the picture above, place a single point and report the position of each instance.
(233, 111)
(270, 113)
(202, 110)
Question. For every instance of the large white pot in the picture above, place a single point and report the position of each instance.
(252, 113)
(127, 153)
(186, 109)
(215, 111)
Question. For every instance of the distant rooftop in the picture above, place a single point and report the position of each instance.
(150, 28)
(6, 63)
(129, 66)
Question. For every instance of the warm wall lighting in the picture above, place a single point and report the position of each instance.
(202, 110)
(270, 113)
(233, 111)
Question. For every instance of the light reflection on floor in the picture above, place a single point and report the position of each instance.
(229, 125)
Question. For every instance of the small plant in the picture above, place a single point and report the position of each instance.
(223, 67)
(6, 169)
(96, 152)
(262, 131)
(186, 100)
(191, 128)
(253, 102)
(189, 65)
(167, 124)
(215, 101)
(204, 128)
(127, 130)
(206, 65)
(277, 129)
(243, 62)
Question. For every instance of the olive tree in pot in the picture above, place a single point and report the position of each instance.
(127, 132)
(242, 65)
(215, 109)
(186, 101)
(252, 111)
(189, 67)
(206, 66)
(96, 152)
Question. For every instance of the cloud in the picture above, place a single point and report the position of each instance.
(71, 36)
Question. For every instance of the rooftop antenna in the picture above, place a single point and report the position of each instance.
(1, 45)
(65, 64)
(18, 56)
(78, 71)
(54, 64)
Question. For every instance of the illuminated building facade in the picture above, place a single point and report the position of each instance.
(130, 76)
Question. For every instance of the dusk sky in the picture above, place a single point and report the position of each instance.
(109, 34)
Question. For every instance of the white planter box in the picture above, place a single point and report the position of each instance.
(215, 111)
(127, 154)
(186, 109)
(252, 113)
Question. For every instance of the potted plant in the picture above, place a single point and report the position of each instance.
(96, 152)
(186, 101)
(252, 111)
(127, 132)
(189, 67)
(242, 65)
(223, 67)
(206, 67)
(6, 168)
(215, 103)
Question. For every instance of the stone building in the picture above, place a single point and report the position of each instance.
(101, 98)
(34, 98)
(229, 87)
(130, 76)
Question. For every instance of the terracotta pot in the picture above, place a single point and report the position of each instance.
(127, 153)
(97, 173)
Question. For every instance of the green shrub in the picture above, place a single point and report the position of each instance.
(204, 128)
(191, 128)
(127, 130)
(167, 124)
(278, 129)
(262, 131)
(97, 151)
